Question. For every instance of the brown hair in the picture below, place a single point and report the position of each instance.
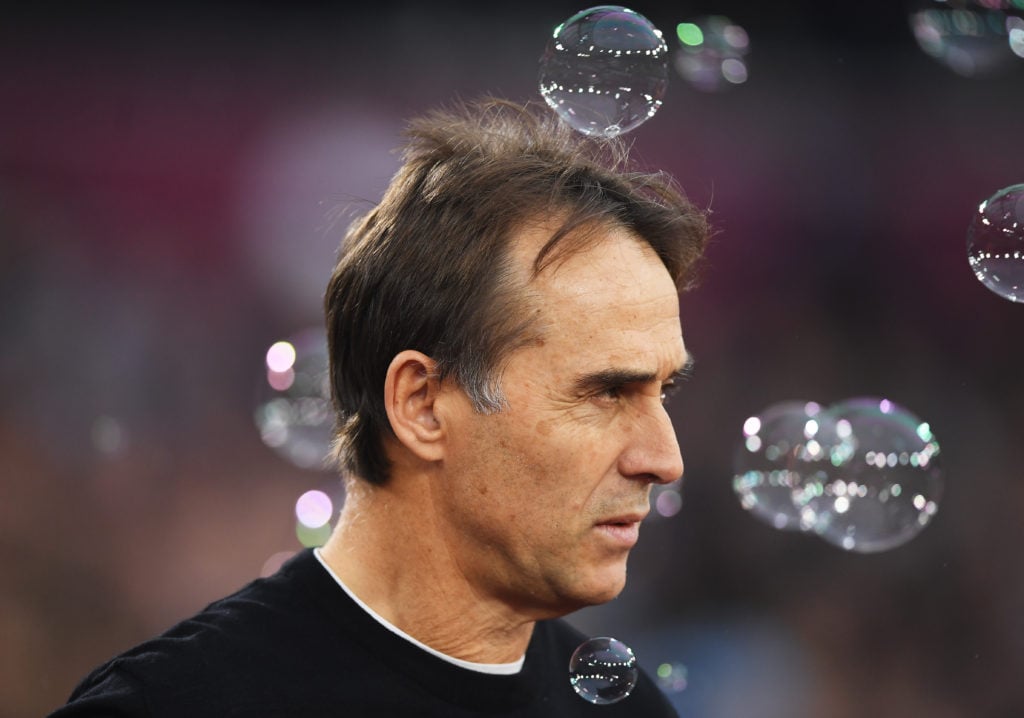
(428, 268)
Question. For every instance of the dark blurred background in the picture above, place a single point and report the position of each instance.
(170, 183)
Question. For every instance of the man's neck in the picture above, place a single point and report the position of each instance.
(391, 556)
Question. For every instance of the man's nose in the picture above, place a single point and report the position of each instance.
(652, 452)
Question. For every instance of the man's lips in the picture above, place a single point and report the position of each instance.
(623, 530)
(633, 517)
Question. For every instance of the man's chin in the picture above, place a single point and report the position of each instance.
(601, 589)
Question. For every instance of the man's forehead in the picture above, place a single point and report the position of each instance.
(542, 243)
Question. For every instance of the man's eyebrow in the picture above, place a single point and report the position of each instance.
(621, 377)
(611, 377)
(686, 370)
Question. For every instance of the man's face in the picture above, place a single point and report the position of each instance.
(544, 499)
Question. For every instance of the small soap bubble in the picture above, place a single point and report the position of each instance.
(995, 243)
(970, 37)
(885, 487)
(293, 411)
(712, 52)
(779, 445)
(603, 670)
(605, 70)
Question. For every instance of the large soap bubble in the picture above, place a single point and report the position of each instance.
(780, 444)
(995, 243)
(888, 487)
(605, 70)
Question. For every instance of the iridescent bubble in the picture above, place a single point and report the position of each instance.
(603, 670)
(672, 677)
(778, 446)
(712, 53)
(605, 70)
(293, 411)
(886, 490)
(995, 243)
(970, 37)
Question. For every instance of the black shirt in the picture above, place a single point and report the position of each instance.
(295, 644)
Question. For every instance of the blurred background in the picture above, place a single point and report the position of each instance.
(174, 181)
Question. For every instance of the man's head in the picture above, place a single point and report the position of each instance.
(433, 267)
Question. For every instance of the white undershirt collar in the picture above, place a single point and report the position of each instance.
(503, 669)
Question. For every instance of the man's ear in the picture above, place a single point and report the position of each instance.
(410, 390)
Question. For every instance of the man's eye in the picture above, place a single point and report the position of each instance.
(611, 392)
(667, 390)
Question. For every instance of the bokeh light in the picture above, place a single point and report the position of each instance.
(314, 508)
(317, 511)
(605, 70)
(109, 436)
(971, 37)
(778, 444)
(712, 51)
(603, 670)
(275, 562)
(1015, 35)
(672, 677)
(667, 501)
(312, 537)
(995, 243)
(293, 411)
(886, 488)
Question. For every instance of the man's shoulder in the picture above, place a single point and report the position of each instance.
(278, 606)
(233, 648)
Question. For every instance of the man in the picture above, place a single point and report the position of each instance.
(503, 328)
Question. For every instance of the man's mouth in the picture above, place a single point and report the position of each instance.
(623, 530)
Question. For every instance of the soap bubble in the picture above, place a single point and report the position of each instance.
(603, 670)
(293, 411)
(779, 445)
(885, 488)
(712, 52)
(970, 37)
(605, 70)
(995, 243)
